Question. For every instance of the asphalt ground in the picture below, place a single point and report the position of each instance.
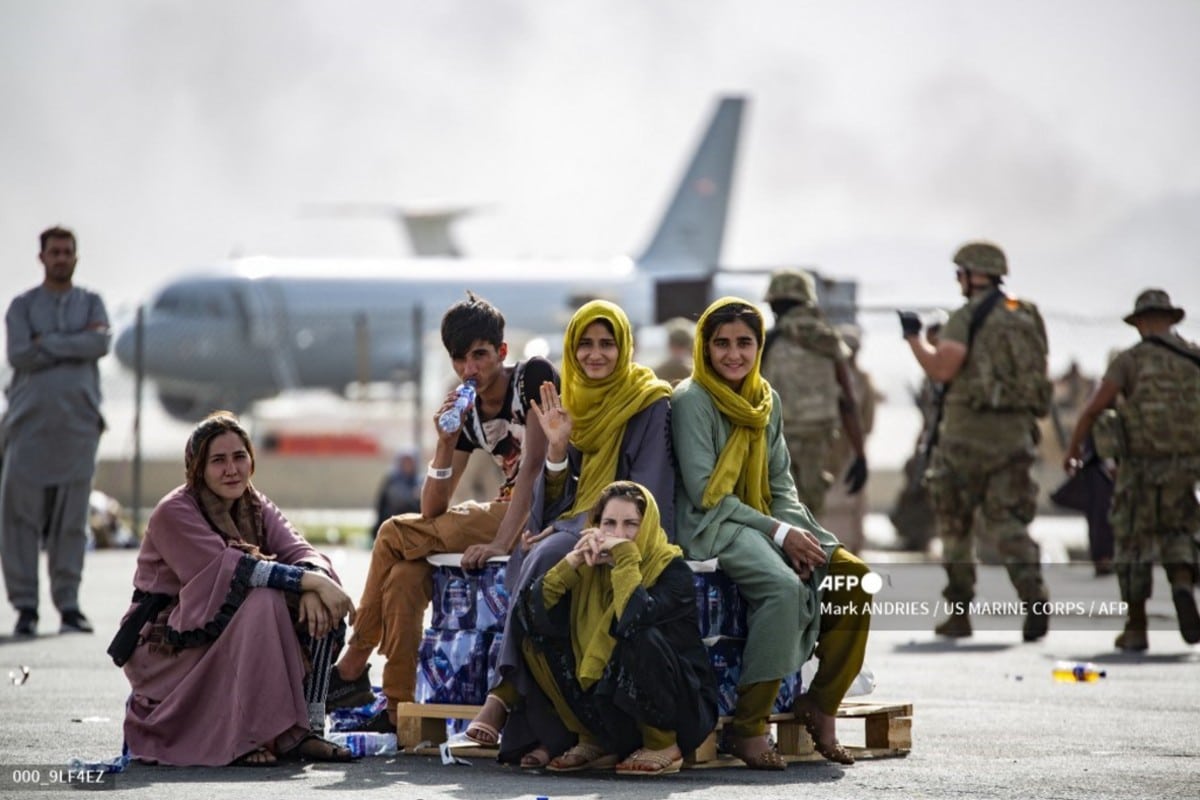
(988, 719)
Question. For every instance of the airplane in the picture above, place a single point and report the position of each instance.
(250, 328)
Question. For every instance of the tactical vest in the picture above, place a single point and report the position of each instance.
(806, 382)
(1005, 370)
(1161, 415)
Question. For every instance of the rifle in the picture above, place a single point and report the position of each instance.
(939, 391)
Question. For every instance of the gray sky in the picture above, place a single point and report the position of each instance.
(881, 135)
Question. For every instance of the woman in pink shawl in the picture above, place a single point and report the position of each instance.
(235, 622)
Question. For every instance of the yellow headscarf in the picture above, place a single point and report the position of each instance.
(597, 600)
(600, 409)
(742, 466)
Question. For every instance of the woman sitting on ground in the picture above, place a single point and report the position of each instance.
(611, 423)
(736, 501)
(612, 640)
(235, 621)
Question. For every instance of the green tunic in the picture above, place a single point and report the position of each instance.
(784, 611)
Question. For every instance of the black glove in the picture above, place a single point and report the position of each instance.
(856, 476)
(910, 322)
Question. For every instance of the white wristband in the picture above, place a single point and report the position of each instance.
(557, 466)
(781, 532)
(439, 474)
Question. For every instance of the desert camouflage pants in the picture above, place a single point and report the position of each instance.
(810, 455)
(963, 479)
(1154, 517)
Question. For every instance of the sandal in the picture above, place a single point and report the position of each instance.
(806, 712)
(258, 757)
(768, 759)
(317, 748)
(582, 756)
(537, 758)
(662, 764)
(485, 733)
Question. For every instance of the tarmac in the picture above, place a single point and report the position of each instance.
(988, 719)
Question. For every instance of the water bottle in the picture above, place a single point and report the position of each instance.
(451, 419)
(1077, 672)
(364, 744)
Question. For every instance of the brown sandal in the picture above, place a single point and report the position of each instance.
(581, 757)
(318, 748)
(806, 712)
(768, 759)
(662, 765)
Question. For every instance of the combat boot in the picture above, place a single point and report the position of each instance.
(1182, 579)
(956, 626)
(1037, 620)
(1133, 638)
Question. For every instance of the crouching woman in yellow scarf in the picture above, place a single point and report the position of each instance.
(612, 640)
(611, 423)
(736, 501)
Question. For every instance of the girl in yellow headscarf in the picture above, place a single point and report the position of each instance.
(613, 642)
(612, 422)
(736, 501)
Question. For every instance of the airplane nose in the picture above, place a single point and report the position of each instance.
(124, 347)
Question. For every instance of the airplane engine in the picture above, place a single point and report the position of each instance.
(193, 408)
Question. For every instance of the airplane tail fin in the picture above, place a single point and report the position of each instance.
(690, 234)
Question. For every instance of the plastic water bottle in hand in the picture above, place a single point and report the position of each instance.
(451, 419)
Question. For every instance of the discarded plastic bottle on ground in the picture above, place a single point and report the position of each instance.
(451, 419)
(1077, 672)
(363, 744)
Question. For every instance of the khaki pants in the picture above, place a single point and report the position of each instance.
(400, 585)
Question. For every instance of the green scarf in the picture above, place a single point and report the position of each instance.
(600, 409)
(600, 596)
(742, 466)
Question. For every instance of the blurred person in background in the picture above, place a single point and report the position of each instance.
(57, 332)
(400, 492)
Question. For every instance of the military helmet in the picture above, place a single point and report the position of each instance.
(982, 257)
(792, 284)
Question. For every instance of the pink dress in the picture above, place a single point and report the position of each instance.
(208, 704)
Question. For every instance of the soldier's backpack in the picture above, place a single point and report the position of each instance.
(1162, 415)
(804, 378)
(1006, 364)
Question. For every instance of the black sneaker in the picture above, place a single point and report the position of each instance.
(27, 620)
(74, 621)
(349, 694)
(380, 723)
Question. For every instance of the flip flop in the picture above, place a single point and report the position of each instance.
(663, 765)
(590, 757)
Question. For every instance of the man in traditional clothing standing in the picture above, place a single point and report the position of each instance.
(57, 332)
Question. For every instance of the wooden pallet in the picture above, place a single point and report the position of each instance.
(420, 727)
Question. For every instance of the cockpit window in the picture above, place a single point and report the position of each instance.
(194, 301)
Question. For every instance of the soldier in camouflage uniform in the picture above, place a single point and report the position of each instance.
(1155, 386)
(806, 361)
(992, 355)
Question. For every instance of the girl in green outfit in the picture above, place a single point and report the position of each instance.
(736, 502)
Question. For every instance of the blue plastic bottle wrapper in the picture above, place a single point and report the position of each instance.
(725, 655)
(719, 605)
(352, 719)
(452, 667)
(493, 658)
(469, 600)
(365, 744)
